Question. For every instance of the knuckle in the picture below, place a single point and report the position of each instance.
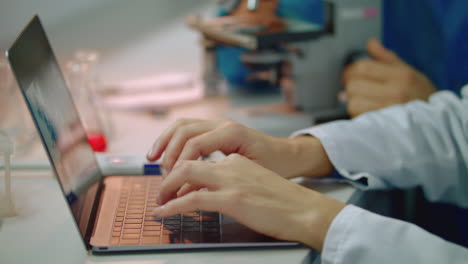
(167, 160)
(236, 196)
(181, 132)
(183, 166)
(194, 143)
(235, 129)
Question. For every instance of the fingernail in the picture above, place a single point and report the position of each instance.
(158, 210)
(153, 149)
(151, 153)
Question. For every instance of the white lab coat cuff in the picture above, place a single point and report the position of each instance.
(360, 236)
(329, 136)
(336, 238)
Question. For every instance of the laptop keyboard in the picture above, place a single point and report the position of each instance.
(134, 223)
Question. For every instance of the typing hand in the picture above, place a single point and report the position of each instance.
(189, 139)
(385, 80)
(251, 194)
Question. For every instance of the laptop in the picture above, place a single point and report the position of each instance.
(112, 212)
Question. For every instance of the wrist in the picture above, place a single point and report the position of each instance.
(318, 219)
(307, 158)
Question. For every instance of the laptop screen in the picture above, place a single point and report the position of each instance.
(56, 118)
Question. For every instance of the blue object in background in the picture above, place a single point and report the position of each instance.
(432, 36)
(151, 169)
(228, 59)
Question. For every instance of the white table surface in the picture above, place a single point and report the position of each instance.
(44, 232)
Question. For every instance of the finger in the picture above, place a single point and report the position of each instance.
(195, 201)
(360, 105)
(161, 143)
(226, 140)
(179, 139)
(368, 69)
(366, 88)
(380, 53)
(188, 188)
(191, 172)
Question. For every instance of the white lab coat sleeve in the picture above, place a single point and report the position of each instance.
(360, 236)
(415, 144)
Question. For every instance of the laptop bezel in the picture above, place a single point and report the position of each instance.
(89, 197)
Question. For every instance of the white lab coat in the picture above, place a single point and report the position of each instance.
(416, 144)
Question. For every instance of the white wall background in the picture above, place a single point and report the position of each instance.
(135, 38)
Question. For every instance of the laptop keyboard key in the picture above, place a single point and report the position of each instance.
(171, 222)
(152, 218)
(135, 211)
(134, 216)
(191, 219)
(210, 217)
(136, 206)
(210, 229)
(190, 224)
(133, 221)
(131, 236)
(210, 224)
(152, 223)
(151, 228)
(150, 240)
(191, 229)
(132, 231)
(132, 226)
(151, 233)
(129, 241)
(171, 227)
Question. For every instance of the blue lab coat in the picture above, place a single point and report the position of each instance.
(432, 36)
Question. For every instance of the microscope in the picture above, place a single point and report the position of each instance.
(316, 76)
(305, 60)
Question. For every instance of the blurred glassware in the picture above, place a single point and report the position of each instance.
(15, 119)
(83, 79)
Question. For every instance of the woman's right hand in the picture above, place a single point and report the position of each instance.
(189, 139)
